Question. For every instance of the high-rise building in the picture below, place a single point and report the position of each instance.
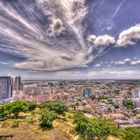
(18, 86)
(136, 97)
(6, 88)
(87, 92)
(136, 103)
(136, 93)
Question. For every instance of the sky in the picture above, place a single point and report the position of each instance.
(70, 39)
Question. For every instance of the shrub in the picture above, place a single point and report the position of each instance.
(30, 120)
(3, 112)
(131, 134)
(47, 118)
(128, 104)
(15, 124)
(7, 109)
(19, 106)
(32, 106)
(90, 129)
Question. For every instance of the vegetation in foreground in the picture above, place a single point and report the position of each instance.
(52, 120)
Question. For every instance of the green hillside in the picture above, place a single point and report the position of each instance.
(53, 120)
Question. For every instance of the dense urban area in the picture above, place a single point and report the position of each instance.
(113, 105)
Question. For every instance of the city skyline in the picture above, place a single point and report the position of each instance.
(70, 39)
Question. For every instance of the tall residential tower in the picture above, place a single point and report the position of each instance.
(6, 88)
(18, 86)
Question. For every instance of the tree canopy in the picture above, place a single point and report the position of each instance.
(128, 104)
(14, 108)
(90, 129)
(55, 105)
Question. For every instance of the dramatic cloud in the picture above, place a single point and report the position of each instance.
(38, 33)
(129, 37)
(49, 35)
(104, 40)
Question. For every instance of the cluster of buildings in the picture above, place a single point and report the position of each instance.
(93, 98)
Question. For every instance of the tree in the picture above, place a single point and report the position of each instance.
(131, 134)
(80, 117)
(57, 106)
(32, 106)
(3, 112)
(47, 118)
(18, 106)
(128, 104)
(8, 109)
(102, 128)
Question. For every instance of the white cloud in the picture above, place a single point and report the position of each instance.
(126, 37)
(103, 40)
(127, 61)
(129, 36)
(4, 63)
(119, 62)
(117, 74)
(56, 27)
(135, 62)
(132, 62)
(123, 62)
(112, 62)
(97, 65)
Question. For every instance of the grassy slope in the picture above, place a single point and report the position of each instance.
(27, 128)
